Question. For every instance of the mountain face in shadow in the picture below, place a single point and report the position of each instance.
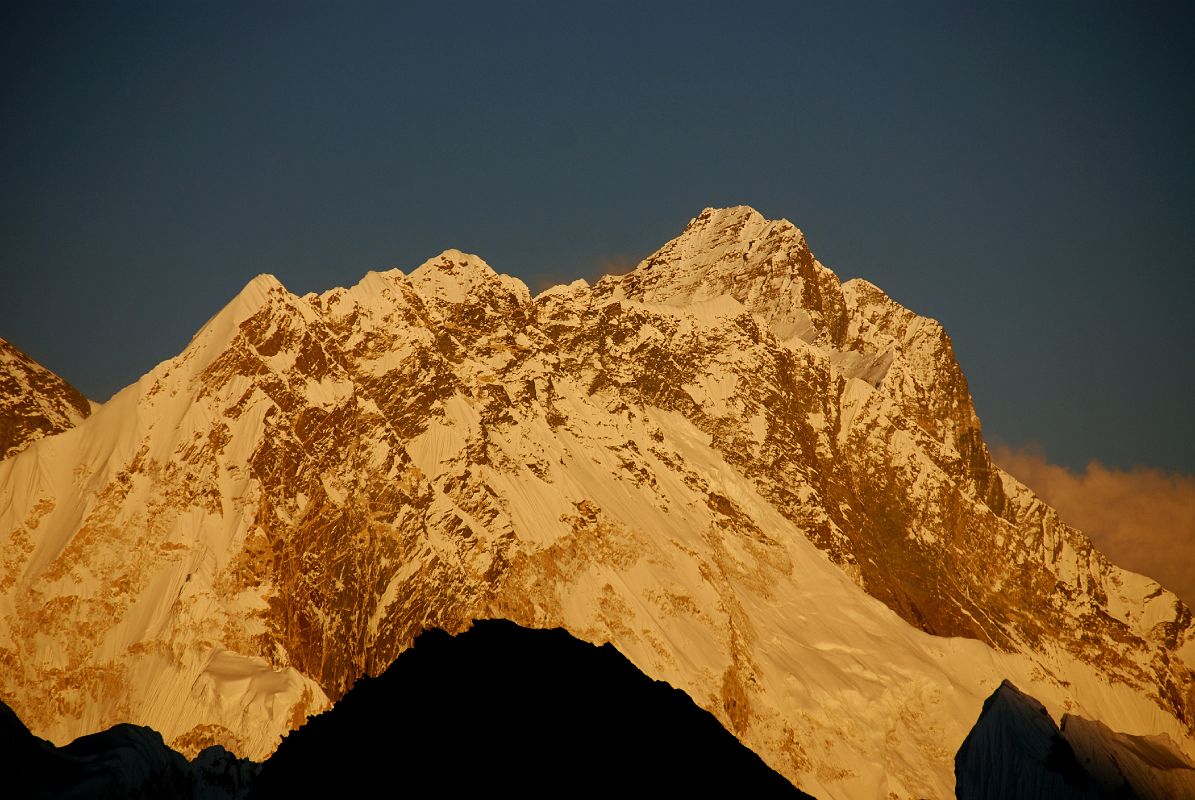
(510, 709)
(1016, 750)
(122, 762)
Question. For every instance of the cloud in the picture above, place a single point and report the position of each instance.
(617, 264)
(1143, 519)
(592, 271)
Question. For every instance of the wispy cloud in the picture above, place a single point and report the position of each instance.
(616, 264)
(1143, 519)
(593, 271)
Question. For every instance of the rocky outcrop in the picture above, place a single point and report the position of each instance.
(34, 402)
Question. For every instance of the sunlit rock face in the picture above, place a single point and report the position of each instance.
(510, 711)
(34, 402)
(766, 487)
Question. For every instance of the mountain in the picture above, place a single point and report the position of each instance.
(500, 708)
(34, 402)
(1016, 750)
(766, 487)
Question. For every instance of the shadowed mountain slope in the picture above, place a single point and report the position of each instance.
(1016, 750)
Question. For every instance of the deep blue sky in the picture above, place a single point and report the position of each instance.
(1026, 175)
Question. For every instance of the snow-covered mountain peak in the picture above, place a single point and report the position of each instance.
(263, 302)
(374, 282)
(763, 486)
(1017, 750)
(765, 265)
(455, 262)
(261, 285)
(716, 229)
(576, 287)
(460, 278)
(261, 291)
(376, 292)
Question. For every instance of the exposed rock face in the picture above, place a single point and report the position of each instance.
(34, 402)
(767, 488)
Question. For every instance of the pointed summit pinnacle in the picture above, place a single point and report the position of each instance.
(455, 277)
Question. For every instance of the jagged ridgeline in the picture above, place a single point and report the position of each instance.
(764, 486)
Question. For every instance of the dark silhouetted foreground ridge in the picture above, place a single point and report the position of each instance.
(498, 708)
(509, 709)
(125, 761)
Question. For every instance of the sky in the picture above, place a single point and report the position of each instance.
(1022, 172)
